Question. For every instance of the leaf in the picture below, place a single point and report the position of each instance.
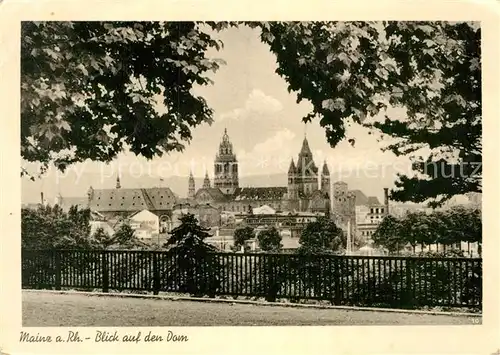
(83, 69)
(64, 125)
(267, 37)
(330, 58)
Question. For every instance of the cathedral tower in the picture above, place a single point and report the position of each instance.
(206, 181)
(226, 167)
(191, 188)
(325, 179)
(292, 184)
(307, 172)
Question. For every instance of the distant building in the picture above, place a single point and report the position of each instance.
(209, 216)
(145, 224)
(122, 202)
(293, 222)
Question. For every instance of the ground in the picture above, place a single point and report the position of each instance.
(71, 310)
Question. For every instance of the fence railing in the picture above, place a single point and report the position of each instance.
(402, 282)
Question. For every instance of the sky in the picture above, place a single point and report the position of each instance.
(263, 121)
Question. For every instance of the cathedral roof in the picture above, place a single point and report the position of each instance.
(372, 200)
(260, 193)
(360, 197)
(67, 202)
(156, 198)
(214, 192)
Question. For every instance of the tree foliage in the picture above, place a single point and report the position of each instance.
(193, 257)
(269, 240)
(49, 227)
(448, 227)
(321, 236)
(242, 235)
(353, 71)
(89, 89)
(123, 238)
(388, 235)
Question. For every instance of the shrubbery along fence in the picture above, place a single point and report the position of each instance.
(402, 282)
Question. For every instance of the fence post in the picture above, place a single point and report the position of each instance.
(409, 293)
(336, 280)
(105, 271)
(271, 279)
(156, 274)
(58, 269)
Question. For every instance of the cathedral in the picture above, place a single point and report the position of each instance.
(307, 190)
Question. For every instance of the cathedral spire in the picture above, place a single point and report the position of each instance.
(191, 187)
(326, 171)
(291, 169)
(305, 150)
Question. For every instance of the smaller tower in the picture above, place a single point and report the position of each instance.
(90, 196)
(191, 187)
(292, 181)
(325, 179)
(118, 185)
(206, 181)
(386, 201)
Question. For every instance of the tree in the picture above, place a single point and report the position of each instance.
(388, 234)
(353, 71)
(321, 236)
(102, 238)
(242, 235)
(123, 238)
(49, 227)
(193, 257)
(415, 229)
(89, 89)
(269, 240)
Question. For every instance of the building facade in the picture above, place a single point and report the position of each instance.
(307, 190)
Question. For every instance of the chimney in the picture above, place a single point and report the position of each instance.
(386, 200)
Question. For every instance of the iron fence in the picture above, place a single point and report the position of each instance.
(375, 281)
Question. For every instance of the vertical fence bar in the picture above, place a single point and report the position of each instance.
(105, 271)
(57, 270)
(156, 274)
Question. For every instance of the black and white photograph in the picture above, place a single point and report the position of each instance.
(224, 183)
(251, 173)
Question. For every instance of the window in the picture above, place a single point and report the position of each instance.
(381, 210)
(371, 210)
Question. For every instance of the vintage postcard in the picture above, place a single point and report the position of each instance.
(255, 177)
